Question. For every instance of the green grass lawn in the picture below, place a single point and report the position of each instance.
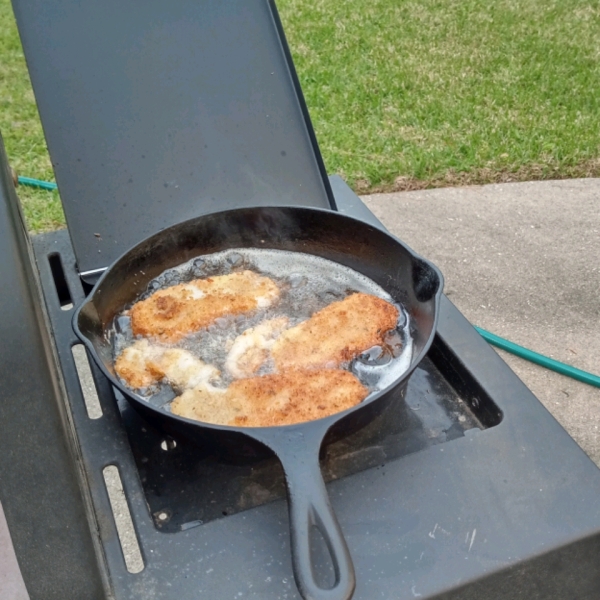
(450, 90)
(406, 94)
(21, 128)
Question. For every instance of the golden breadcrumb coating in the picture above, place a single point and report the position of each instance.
(143, 364)
(251, 349)
(336, 333)
(294, 396)
(171, 313)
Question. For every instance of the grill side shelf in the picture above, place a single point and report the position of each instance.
(467, 484)
(106, 440)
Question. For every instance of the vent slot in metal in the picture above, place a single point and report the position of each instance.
(60, 282)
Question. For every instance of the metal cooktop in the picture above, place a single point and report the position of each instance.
(465, 482)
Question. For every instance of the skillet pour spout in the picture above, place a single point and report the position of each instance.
(409, 279)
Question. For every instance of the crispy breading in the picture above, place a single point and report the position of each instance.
(336, 333)
(143, 364)
(251, 349)
(286, 398)
(171, 313)
(207, 404)
(132, 365)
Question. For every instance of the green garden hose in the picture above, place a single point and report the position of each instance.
(540, 359)
(37, 183)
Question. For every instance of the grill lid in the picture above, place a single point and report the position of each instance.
(158, 112)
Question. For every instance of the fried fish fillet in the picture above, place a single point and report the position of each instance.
(171, 313)
(143, 364)
(251, 349)
(294, 396)
(336, 333)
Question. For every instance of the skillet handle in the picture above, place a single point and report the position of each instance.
(309, 505)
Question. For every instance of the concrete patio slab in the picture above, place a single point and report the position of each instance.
(12, 586)
(521, 260)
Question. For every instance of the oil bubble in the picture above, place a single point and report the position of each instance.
(377, 355)
(122, 324)
(235, 259)
(297, 280)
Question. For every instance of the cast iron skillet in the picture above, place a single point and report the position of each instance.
(404, 275)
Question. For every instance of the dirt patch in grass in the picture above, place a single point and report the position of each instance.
(483, 176)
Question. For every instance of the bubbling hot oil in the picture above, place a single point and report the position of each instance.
(307, 284)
